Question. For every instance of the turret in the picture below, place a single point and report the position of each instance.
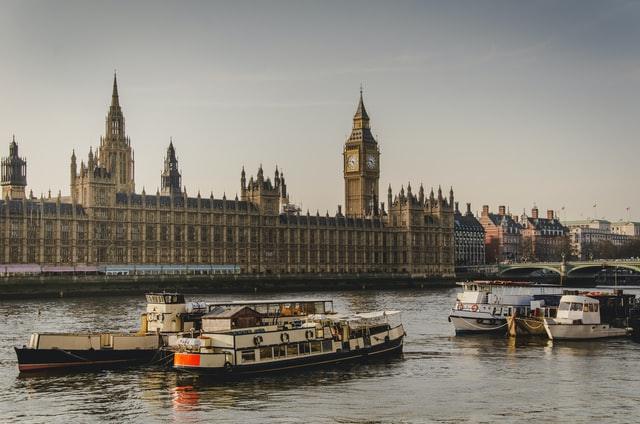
(389, 197)
(260, 175)
(115, 153)
(14, 173)
(90, 161)
(170, 178)
(73, 168)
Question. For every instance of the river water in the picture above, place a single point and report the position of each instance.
(439, 378)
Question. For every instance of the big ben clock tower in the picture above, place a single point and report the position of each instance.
(361, 162)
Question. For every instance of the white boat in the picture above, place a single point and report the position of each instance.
(483, 306)
(578, 318)
(239, 340)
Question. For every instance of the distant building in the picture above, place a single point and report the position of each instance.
(627, 228)
(503, 235)
(544, 239)
(469, 238)
(592, 231)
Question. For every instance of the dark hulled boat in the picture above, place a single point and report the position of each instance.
(47, 351)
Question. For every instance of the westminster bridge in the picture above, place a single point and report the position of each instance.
(570, 269)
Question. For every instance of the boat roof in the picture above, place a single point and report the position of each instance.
(220, 312)
(506, 283)
(355, 317)
(578, 299)
(262, 302)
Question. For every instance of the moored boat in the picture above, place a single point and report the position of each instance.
(166, 315)
(484, 306)
(91, 350)
(237, 341)
(590, 316)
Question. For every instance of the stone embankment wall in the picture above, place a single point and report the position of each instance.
(91, 285)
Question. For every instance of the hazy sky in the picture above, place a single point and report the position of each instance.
(510, 102)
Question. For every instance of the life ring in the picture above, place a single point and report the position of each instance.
(460, 306)
(474, 307)
(227, 366)
(284, 337)
(257, 340)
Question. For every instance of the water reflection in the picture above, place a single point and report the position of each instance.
(198, 391)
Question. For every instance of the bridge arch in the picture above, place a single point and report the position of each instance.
(529, 268)
(602, 265)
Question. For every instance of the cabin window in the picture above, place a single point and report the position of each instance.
(586, 307)
(266, 353)
(564, 306)
(292, 349)
(327, 345)
(304, 348)
(590, 307)
(576, 307)
(595, 307)
(248, 355)
(279, 351)
(316, 347)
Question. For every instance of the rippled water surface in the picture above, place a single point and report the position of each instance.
(439, 378)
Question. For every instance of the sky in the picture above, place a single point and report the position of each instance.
(511, 103)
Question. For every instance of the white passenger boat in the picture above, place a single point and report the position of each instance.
(579, 318)
(240, 341)
(483, 306)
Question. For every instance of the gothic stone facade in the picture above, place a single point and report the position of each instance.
(104, 221)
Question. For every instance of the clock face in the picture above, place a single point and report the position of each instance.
(352, 162)
(371, 161)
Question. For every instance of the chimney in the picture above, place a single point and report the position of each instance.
(457, 211)
(468, 208)
(339, 210)
(549, 214)
(516, 219)
(502, 210)
(534, 213)
(485, 210)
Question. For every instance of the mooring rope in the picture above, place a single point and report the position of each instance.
(482, 328)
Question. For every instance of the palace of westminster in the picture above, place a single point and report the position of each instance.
(104, 220)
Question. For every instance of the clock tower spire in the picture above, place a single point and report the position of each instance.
(361, 166)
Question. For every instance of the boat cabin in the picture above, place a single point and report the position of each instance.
(510, 293)
(169, 313)
(224, 319)
(282, 308)
(577, 309)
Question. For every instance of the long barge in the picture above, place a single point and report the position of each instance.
(237, 342)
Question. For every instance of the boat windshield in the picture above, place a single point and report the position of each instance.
(576, 306)
(564, 306)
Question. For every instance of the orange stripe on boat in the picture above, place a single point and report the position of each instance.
(186, 359)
